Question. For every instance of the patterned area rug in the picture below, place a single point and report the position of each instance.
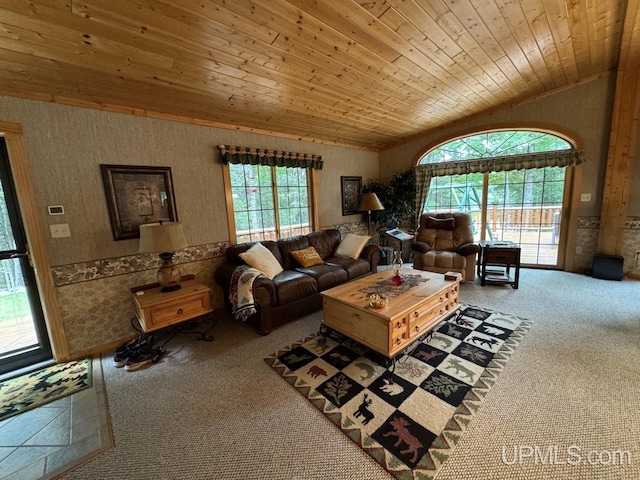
(43, 386)
(409, 424)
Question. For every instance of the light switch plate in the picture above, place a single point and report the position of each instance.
(60, 230)
(585, 197)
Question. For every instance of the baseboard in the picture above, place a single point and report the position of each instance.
(633, 276)
(99, 349)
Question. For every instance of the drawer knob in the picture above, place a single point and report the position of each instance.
(180, 311)
(441, 312)
(417, 328)
(441, 298)
(398, 341)
(398, 325)
(416, 314)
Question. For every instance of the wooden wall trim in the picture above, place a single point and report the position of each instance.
(35, 237)
(228, 196)
(623, 138)
(573, 182)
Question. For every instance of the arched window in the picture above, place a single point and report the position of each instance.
(492, 144)
(512, 179)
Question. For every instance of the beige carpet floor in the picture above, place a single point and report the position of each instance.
(217, 411)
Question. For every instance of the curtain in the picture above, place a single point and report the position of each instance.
(558, 158)
(425, 172)
(272, 158)
(423, 182)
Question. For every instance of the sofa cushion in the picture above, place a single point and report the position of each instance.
(354, 268)
(233, 252)
(288, 245)
(325, 242)
(351, 245)
(307, 257)
(261, 258)
(292, 285)
(326, 276)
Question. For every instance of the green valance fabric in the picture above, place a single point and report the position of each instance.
(272, 158)
(556, 158)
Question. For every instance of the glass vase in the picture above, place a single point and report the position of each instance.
(397, 278)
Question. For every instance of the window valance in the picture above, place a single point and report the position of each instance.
(272, 158)
(557, 158)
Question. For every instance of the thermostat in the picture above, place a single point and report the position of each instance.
(56, 210)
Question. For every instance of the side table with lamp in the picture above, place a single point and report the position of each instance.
(174, 299)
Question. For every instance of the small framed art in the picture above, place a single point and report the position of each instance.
(351, 190)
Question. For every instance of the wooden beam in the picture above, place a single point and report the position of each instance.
(623, 138)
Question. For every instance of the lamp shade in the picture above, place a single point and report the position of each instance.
(161, 237)
(369, 202)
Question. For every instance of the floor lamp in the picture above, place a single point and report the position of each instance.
(370, 202)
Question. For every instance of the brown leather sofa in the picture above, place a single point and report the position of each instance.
(296, 291)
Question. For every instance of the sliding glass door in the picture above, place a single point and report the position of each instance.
(23, 336)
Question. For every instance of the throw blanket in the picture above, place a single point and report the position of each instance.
(241, 293)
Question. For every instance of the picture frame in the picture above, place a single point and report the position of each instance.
(351, 188)
(137, 195)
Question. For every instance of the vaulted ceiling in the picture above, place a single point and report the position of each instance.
(366, 73)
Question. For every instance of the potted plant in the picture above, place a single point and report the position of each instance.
(398, 196)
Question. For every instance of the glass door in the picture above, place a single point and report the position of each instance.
(23, 335)
(525, 207)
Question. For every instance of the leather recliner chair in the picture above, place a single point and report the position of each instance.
(444, 243)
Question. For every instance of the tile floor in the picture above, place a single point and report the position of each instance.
(46, 441)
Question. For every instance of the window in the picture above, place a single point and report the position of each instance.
(520, 174)
(270, 202)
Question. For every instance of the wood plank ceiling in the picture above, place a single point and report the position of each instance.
(365, 73)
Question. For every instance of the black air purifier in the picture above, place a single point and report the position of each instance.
(607, 267)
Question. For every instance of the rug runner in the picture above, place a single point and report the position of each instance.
(409, 425)
(38, 388)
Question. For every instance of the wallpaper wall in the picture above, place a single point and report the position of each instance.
(92, 272)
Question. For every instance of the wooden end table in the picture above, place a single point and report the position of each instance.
(502, 256)
(156, 309)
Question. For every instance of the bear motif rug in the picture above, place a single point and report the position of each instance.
(408, 417)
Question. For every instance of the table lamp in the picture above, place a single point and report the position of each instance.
(369, 202)
(164, 238)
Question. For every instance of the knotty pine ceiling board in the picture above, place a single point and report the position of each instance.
(363, 73)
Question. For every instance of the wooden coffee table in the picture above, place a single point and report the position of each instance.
(391, 329)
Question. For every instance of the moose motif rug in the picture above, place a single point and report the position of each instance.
(408, 418)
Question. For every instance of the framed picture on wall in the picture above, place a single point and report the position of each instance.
(351, 189)
(137, 195)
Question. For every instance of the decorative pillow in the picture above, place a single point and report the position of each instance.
(260, 258)
(307, 257)
(441, 223)
(351, 246)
